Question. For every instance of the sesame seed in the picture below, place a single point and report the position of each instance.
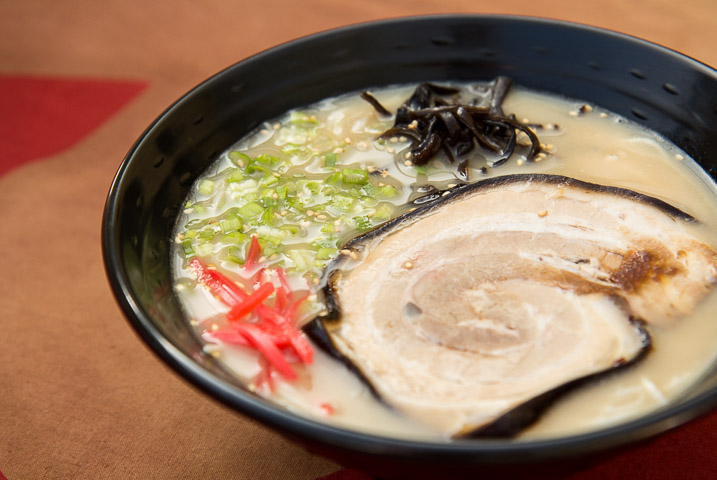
(407, 156)
(276, 174)
(338, 150)
(603, 115)
(321, 216)
(310, 213)
(381, 184)
(573, 113)
(353, 255)
(390, 150)
(214, 327)
(337, 222)
(345, 251)
(542, 213)
(264, 131)
(194, 322)
(362, 146)
(393, 139)
(520, 162)
(274, 195)
(445, 193)
(384, 173)
(188, 210)
(276, 126)
(452, 185)
(407, 265)
(370, 169)
(679, 157)
(347, 141)
(274, 256)
(283, 213)
(402, 139)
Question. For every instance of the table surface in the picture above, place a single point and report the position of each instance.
(81, 396)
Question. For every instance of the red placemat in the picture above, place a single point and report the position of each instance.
(42, 116)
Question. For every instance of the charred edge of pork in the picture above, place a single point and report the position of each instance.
(526, 414)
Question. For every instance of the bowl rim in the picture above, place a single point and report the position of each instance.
(476, 450)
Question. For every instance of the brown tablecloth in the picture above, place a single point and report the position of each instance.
(80, 395)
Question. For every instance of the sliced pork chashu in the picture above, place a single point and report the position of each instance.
(472, 313)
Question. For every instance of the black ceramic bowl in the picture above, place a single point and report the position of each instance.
(663, 90)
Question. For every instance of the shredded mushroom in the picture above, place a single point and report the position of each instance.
(433, 124)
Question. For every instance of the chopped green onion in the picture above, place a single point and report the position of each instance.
(326, 253)
(302, 119)
(354, 176)
(268, 180)
(282, 191)
(239, 158)
(383, 212)
(257, 168)
(230, 224)
(313, 187)
(302, 258)
(291, 229)
(250, 211)
(329, 160)
(203, 249)
(362, 223)
(206, 234)
(267, 217)
(206, 187)
(235, 176)
(187, 247)
(267, 202)
(334, 178)
(369, 190)
(342, 202)
(387, 191)
(267, 160)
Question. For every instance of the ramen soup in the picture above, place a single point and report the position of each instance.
(438, 262)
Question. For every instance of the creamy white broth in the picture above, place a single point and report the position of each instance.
(594, 146)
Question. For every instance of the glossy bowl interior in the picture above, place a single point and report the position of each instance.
(663, 90)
